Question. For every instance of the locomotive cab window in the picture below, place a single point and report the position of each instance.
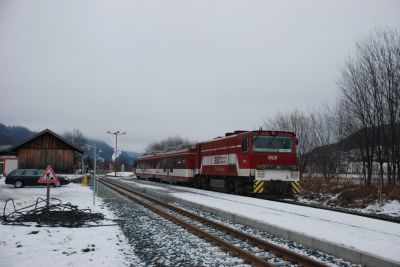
(245, 144)
(272, 144)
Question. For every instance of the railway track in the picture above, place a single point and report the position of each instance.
(251, 249)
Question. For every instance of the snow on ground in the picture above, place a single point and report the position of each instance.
(391, 208)
(372, 236)
(58, 246)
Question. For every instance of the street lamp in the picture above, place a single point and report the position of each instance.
(116, 142)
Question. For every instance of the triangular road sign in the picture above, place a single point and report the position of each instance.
(48, 177)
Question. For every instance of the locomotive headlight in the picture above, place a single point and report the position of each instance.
(295, 174)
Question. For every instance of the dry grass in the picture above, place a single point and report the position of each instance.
(345, 193)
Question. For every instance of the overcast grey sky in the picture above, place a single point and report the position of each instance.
(157, 68)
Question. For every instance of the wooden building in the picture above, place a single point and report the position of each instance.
(47, 148)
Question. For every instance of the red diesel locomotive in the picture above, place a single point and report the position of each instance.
(242, 162)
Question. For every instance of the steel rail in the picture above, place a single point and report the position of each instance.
(281, 252)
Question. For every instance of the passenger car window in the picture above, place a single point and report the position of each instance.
(179, 163)
(159, 164)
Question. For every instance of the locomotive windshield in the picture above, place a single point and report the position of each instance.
(272, 144)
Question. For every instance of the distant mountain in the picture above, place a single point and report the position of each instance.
(106, 152)
(134, 154)
(11, 135)
(103, 149)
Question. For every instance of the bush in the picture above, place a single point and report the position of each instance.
(345, 193)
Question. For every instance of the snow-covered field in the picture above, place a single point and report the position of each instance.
(58, 246)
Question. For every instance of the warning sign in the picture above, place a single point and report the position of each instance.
(48, 177)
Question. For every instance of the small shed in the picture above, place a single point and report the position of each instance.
(46, 148)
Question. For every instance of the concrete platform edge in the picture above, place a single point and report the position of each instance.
(349, 254)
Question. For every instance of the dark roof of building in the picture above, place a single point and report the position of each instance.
(74, 147)
(4, 151)
(5, 147)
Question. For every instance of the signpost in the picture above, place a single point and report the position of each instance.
(48, 177)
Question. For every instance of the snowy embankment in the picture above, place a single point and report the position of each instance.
(44, 246)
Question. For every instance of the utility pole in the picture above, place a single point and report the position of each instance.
(116, 147)
(94, 173)
(95, 185)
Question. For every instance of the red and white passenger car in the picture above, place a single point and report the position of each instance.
(174, 166)
(242, 162)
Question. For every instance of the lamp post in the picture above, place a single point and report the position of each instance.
(101, 160)
(95, 187)
(116, 147)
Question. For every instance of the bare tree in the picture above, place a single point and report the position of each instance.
(324, 156)
(298, 123)
(76, 137)
(169, 144)
(370, 85)
(344, 128)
